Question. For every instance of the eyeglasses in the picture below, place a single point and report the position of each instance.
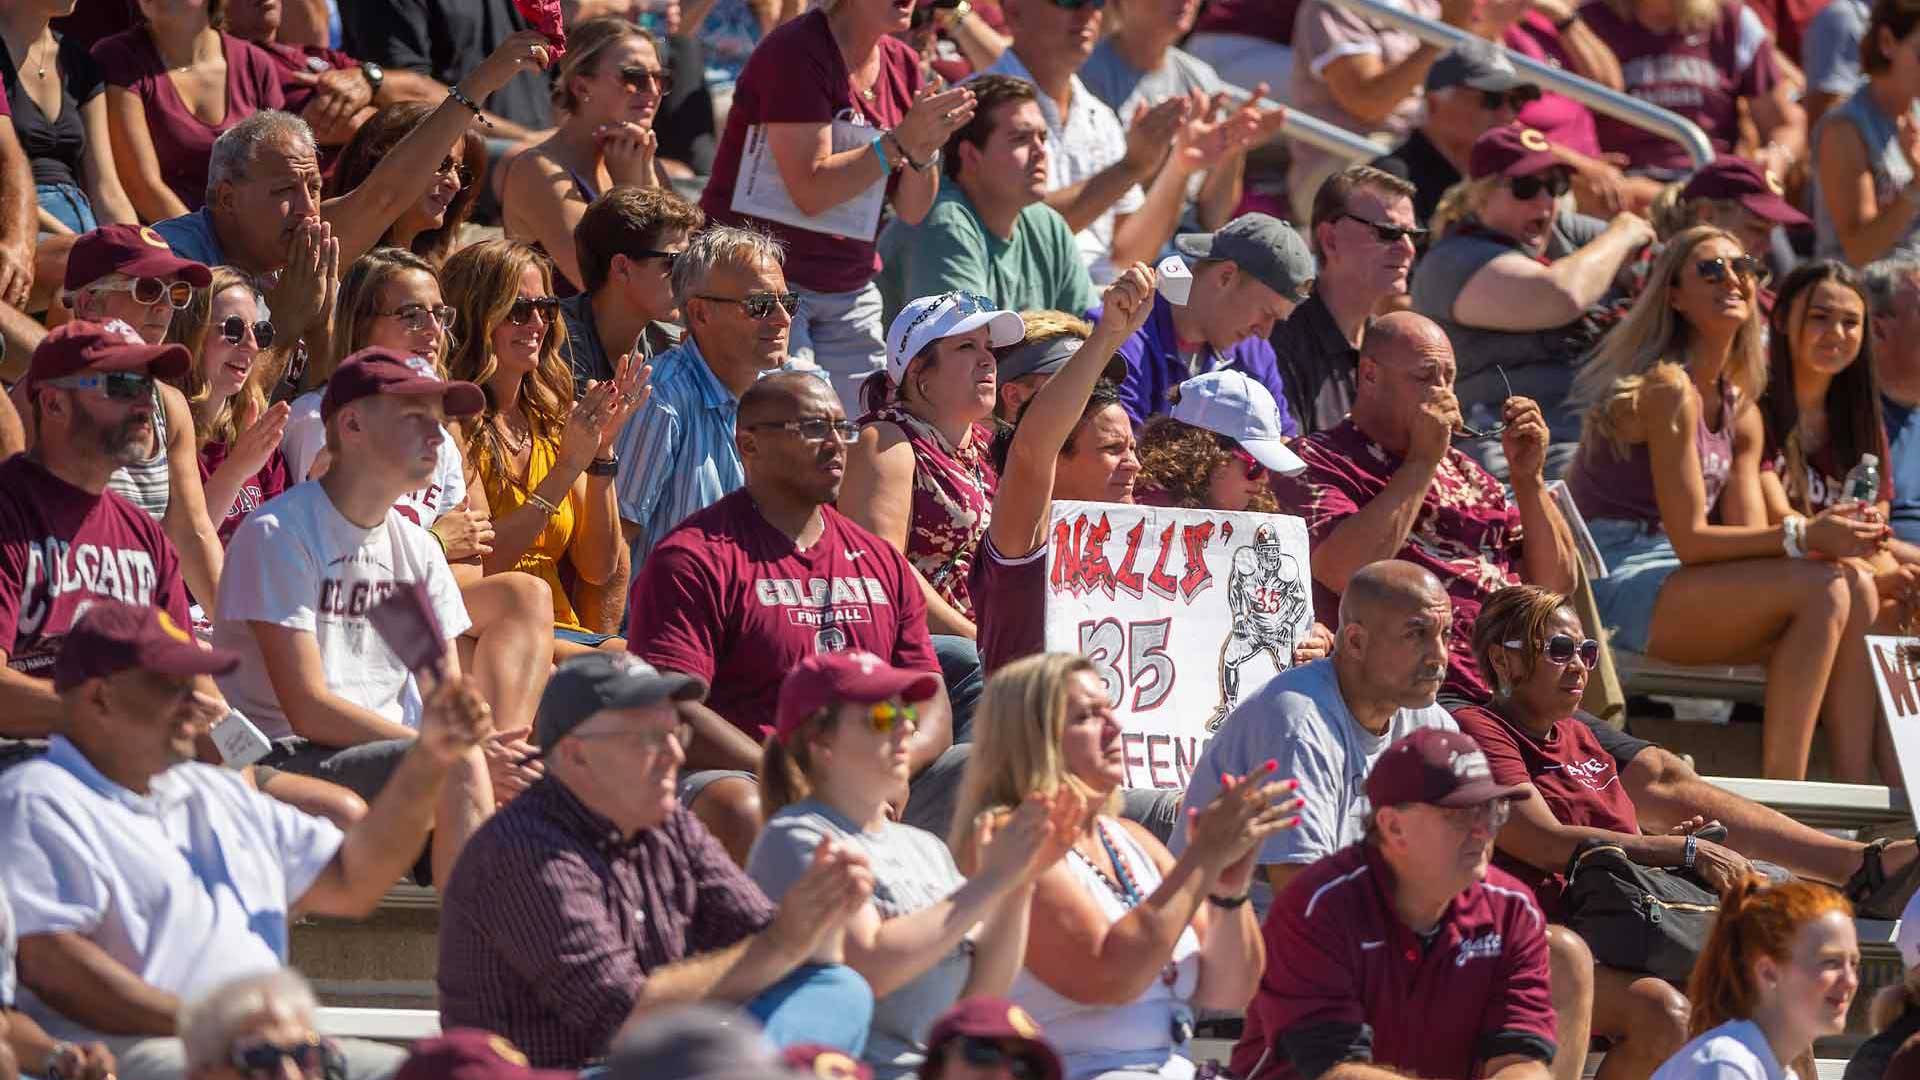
(117, 385)
(1516, 99)
(1497, 430)
(1714, 271)
(815, 429)
(637, 78)
(963, 304)
(1493, 814)
(1388, 233)
(1562, 648)
(1256, 472)
(150, 291)
(234, 328)
(523, 309)
(417, 317)
(883, 716)
(456, 169)
(759, 305)
(670, 256)
(650, 740)
(263, 1058)
(983, 1053)
(1555, 182)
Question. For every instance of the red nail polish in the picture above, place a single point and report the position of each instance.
(1271, 765)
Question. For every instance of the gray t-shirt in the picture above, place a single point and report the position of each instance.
(1831, 51)
(1123, 86)
(912, 869)
(1300, 720)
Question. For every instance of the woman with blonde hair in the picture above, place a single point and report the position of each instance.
(1778, 971)
(1126, 941)
(1668, 477)
(608, 86)
(539, 463)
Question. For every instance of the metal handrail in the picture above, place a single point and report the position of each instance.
(1626, 109)
(1307, 128)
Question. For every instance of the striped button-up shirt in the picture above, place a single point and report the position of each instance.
(677, 454)
(552, 920)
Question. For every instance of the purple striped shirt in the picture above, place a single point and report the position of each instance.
(551, 921)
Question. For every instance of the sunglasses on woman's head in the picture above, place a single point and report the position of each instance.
(884, 716)
(963, 304)
(314, 1056)
(1562, 648)
(417, 317)
(523, 309)
(1714, 271)
(1555, 182)
(459, 170)
(116, 385)
(233, 330)
(984, 1053)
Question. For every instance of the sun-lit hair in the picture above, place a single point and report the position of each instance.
(1515, 613)
(1756, 919)
(208, 1025)
(219, 421)
(586, 42)
(354, 307)
(1653, 333)
(1017, 729)
(482, 282)
(1179, 459)
(377, 137)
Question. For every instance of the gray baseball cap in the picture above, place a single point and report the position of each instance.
(1459, 68)
(1047, 357)
(584, 685)
(1260, 244)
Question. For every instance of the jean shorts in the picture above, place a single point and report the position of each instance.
(1639, 560)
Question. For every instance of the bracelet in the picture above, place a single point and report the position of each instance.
(1793, 536)
(880, 152)
(454, 93)
(60, 1058)
(442, 541)
(917, 166)
(604, 467)
(1693, 848)
(1565, 24)
(1227, 902)
(540, 502)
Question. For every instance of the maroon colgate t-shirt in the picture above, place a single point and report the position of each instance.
(60, 547)
(1341, 964)
(727, 597)
(271, 480)
(1569, 769)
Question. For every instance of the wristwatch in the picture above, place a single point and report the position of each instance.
(374, 74)
(64, 1062)
(607, 466)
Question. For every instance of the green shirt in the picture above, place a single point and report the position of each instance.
(951, 249)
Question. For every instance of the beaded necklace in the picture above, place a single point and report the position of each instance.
(1127, 889)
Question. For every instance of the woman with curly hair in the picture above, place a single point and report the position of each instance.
(430, 228)
(1216, 449)
(541, 464)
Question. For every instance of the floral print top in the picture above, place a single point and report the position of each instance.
(952, 503)
(1467, 533)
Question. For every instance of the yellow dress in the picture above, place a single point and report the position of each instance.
(542, 558)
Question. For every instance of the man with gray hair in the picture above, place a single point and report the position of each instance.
(677, 454)
(1893, 286)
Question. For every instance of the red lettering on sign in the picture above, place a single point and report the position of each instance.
(1197, 577)
(1162, 583)
(1095, 571)
(1899, 686)
(1127, 577)
(1066, 559)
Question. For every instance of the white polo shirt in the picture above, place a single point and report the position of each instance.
(187, 887)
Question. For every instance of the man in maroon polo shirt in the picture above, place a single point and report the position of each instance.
(1406, 954)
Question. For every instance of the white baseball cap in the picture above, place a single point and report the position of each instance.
(1232, 404)
(930, 318)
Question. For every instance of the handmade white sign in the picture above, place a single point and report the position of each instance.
(1896, 674)
(1184, 613)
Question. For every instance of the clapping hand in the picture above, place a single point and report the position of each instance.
(1151, 131)
(814, 913)
(252, 447)
(1025, 843)
(1226, 834)
(935, 115)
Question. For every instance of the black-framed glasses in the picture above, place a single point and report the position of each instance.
(650, 253)
(1555, 182)
(1714, 271)
(524, 307)
(1494, 432)
(1562, 648)
(116, 385)
(759, 305)
(815, 429)
(150, 291)
(636, 78)
(417, 317)
(985, 1053)
(459, 170)
(314, 1056)
(1389, 233)
(234, 330)
(1516, 99)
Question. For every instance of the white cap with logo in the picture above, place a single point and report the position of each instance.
(1231, 403)
(930, 318)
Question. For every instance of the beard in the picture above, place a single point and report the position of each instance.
(128, 442)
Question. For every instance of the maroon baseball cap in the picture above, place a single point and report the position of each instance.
(111, 637)
(993, 1018)
(825, 1062)
(1510, 150)
(389, 371)
(79, 345)
(133, 250)
(1438, 767)
(824, 678)
(1741, 180)
(472, 1054)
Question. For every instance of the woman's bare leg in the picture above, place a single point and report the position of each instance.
(1851, 711)
(1570, 968)
(512, 644)
(1643, 1017)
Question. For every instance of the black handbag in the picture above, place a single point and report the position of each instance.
(1638, 918)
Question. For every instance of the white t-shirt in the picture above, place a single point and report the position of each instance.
(305, 436)
(1736, 1050)
(298, 563)
(187, 886)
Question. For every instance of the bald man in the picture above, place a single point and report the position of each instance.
(1328, 721)
(742, 591)
(1388, 483)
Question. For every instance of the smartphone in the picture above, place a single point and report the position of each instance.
(1715, 833)
(240, 743)
(405, 621)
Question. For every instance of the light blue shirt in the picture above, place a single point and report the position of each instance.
(191, 236)
(1832, 48)
(677, 455)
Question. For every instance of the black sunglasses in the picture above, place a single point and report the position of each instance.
(1714, 271)
(1516, 99)
(983, 1053)
(649, 253)
(233, 330)
(1562, 648)
(456, 169)
(637, 78)
(261, 1057)
(1388, 233)
(1555, 182)
(523, 309)
(117, 385)
(1076, 5)
(759, 305)
(1496, 430)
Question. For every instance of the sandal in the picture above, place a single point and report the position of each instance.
(1876, 895)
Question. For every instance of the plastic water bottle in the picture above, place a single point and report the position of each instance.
(1863, 481)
